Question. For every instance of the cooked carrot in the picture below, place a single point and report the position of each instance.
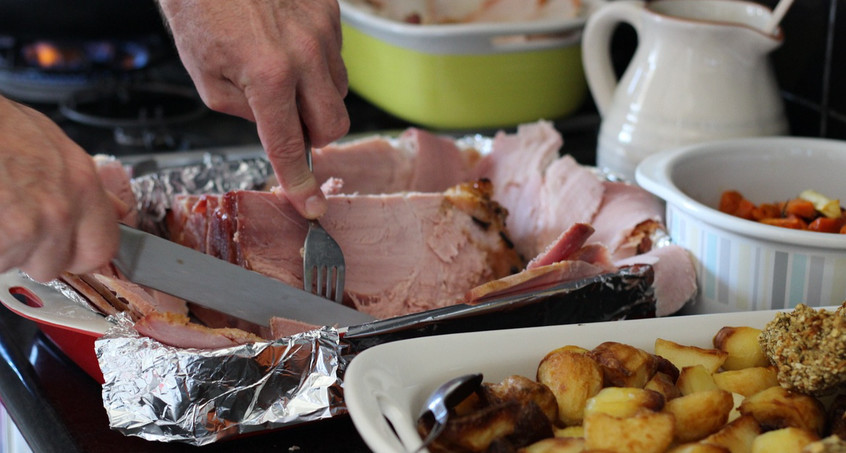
(799, 213)
(729, 201)
(793, 222)
(766, 210)
(800, 208)
(827, 225)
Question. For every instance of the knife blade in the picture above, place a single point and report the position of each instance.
(158, 263)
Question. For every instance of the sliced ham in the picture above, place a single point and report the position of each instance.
(369, 165)
(417, 161)
(534, 279)
(138, 300)
(283, 327)
(176, 330)
(675, 277)
(405, 252)
(627, 218)
(567, 243)
(438, 163)
(544, 194)
(97, 299)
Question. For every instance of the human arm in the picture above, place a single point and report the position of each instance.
(56, 214)
(275, 62)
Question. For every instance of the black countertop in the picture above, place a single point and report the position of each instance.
(58, 408)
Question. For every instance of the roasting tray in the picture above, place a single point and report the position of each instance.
(89, 339)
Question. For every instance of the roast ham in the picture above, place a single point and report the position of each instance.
(423, 224)
(544, 194)
(551, 200)
(405, 252)
(417, 161)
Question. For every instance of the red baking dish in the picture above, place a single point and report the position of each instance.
(70, 325)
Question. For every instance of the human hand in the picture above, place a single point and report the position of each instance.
(275, 62)
(56, 215)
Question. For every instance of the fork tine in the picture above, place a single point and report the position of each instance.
(340, 272)
(308, 280)
(321, 279)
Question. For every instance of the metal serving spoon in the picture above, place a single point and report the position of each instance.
(444, 398)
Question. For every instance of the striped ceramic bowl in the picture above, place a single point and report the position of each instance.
(741, 264)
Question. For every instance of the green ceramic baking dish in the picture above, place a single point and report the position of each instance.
(466, 76)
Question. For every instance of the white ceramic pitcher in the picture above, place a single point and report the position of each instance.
(701, 71)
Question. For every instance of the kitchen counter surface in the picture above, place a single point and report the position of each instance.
(58, 408)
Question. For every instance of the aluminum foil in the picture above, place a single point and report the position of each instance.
(154, 191)
(169, 394)
(162, 393)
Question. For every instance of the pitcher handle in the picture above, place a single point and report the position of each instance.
(596, 43)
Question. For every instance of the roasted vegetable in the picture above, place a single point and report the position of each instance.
(811, 211)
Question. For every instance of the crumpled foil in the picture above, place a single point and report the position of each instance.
(154, 191)
(163, 393)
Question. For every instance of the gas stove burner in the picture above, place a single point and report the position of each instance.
(133, 107)
(142, 117)
(50, 70)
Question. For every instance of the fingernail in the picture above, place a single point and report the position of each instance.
(315, 206)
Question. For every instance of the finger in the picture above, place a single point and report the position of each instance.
(336, 65)
(222, 95)
(17, 240)
(281, 135)
(321, 105)
(49, 257)
(96, 240)
(50, 238)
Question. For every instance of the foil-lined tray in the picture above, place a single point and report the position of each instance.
(163, 393)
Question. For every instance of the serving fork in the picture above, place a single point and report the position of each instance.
(323, 260)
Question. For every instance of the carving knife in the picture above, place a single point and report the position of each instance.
(186, 273)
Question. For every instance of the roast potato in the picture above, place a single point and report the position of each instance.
(747, 381)
(784, 439)
(683, 355)
(694, 379)
(624, 365)
(777, 407)
(663, 384)
(699, 448)
(646, 432)
(699, 414)
(573, 376)
(737, 436)
(742, 346)
(624, 401)
(556, 445)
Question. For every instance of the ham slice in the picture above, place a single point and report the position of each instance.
(626, 220)
(418, 161)
(176, 330)
(534, 279)
(544, 194)
(547, 195)
(568, 243)
(139, 301)
(675, 277)
(97, 298)
(283, 327)
(406, 252)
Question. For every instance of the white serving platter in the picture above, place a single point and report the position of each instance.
(390, 382)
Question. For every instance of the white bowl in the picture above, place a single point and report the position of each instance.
(742, 264)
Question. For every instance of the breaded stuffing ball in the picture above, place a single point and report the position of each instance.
(809, 348)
